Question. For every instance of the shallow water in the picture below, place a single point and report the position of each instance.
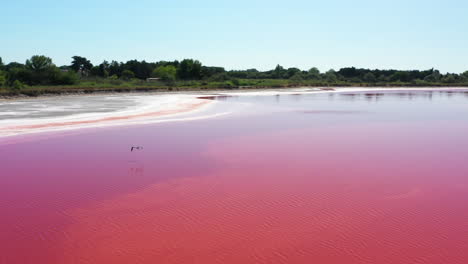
(350, 177)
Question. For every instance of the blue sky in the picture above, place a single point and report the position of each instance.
(242, 34)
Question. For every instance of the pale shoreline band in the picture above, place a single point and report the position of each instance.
(158, 108)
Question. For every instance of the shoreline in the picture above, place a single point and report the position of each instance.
(158, 107)
(142, 109)
(150, 91)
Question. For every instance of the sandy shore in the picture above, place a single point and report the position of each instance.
(65, 113)
(46, 114)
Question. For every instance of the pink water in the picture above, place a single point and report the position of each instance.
(339, 178)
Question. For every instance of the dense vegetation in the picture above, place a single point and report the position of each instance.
(39, 75)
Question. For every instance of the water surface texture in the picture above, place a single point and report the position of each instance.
(349, 177)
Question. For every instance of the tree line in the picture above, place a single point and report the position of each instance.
(40, 70)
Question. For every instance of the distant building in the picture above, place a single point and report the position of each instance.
(152, 79)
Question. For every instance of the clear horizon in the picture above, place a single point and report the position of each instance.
(243, 34)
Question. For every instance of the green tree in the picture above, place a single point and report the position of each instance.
(464, 76)
(37, 70)
(331, 76)
(435, 76)
(18, 73)
(290, 72)
(3, 75)
(400, 76)
(115, 68)
(382, 78)
(95, 71)
(39, 63)
(100, 70)
(207, 72)
(166, 73)
(297, 77)
(450, 78)
(189, 70)
(127, 75)
(142, 70)
(220, 77)
(313, 74)
(3, 78)
(12, 65)
(104, 69)
(369, 77)
(65, 77)
(81, 65)
(17, 85)
(278, 72)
